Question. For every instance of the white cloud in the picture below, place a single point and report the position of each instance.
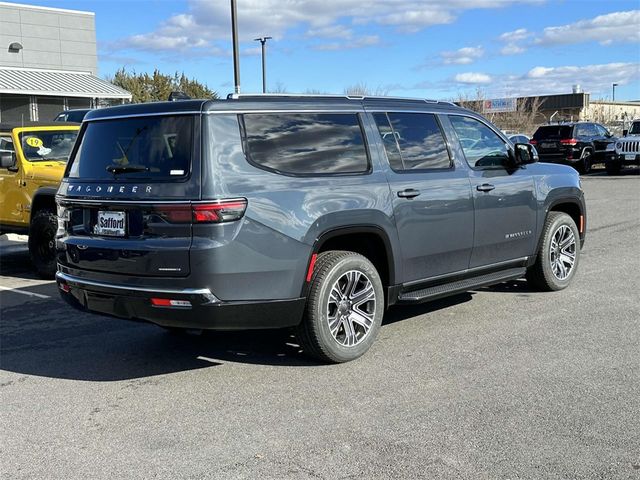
(542, 80)
(512, 49)
(605, 29)
(206, 22)
(462, 56)
(515, 36)
(365, 41)
(472, 78)
(331, 31)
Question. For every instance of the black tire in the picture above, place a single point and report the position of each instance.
(541, 275)
(314, 333)
(584, 166)
(613, 167)
(42, 243)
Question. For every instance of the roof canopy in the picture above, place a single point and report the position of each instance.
(57, 83)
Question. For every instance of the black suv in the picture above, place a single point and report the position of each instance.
(308, 212)
(579, 144)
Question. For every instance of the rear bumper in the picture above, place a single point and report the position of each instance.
(205, 310)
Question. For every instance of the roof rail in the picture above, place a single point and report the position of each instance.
(235, 96)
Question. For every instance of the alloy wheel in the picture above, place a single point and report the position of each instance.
(351, 308)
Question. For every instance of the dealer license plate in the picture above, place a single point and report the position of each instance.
(111, 223)
(547, 145)
(630, 156)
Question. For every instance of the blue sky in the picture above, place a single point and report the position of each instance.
(437, 49)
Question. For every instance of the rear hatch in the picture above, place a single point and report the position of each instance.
(125, 203)
(548, 139)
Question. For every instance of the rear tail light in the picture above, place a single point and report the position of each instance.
(569, 141)
(533, 142)
(222, 211)
(211, 212)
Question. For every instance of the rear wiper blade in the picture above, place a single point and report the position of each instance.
(115, 169)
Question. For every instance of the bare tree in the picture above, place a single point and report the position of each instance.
(363, 89)
(279, 88)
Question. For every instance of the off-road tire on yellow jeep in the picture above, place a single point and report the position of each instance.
(42, 242)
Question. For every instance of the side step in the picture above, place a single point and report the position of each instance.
(460, 286)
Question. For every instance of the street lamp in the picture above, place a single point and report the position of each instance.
(234, 39)
(263, 42)
(613, 87)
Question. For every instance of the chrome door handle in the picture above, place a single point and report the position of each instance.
(485, 187)
(409, 193)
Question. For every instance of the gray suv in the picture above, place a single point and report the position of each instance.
(315, 212)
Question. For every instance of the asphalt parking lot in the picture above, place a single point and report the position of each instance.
(501, 383)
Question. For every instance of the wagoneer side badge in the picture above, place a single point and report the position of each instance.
(109, 189)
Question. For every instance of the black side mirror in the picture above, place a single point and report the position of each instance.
(525, 154)
(7, 159)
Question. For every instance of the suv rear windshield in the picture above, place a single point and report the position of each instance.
(553, 131)
(146, 147)
(47, 145)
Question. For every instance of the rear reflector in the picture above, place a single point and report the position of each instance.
(213, 212)
(581, 223)
(167, 302)
(533, 142)
(312, 264)
(64, 287)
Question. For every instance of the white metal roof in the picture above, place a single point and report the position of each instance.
(57, 83)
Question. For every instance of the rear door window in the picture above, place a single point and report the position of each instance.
(158, 147)
(413, 141)
(305, 143)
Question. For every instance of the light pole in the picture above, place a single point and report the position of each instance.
(234, 39)
(263, 42)
(613, 87)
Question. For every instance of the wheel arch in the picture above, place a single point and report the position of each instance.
(43, 199)
(573, 207)
(370, 241)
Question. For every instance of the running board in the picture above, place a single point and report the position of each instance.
(460, 286)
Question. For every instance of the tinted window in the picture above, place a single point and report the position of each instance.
(602, 132)
(635, 128)
(553, 131)
(145, 147)
(306, 144)
(389, 140)
(585, 130)
(6, 144)
(76, 116)
(519, 139)
(47, 145)
(482, 146)
(415, 138)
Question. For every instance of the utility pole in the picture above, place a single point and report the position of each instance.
(613, 87)
(234, 39)
(263, 42)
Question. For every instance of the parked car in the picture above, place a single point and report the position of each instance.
(309, 212)
(579, 144)
(33, 157)
(627, 150)
(519, 138)
(76, 115)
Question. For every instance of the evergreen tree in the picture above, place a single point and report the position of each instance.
(158, 86)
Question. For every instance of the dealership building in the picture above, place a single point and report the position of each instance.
(575, 106)
(49, 63)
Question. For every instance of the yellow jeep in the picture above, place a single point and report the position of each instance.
(33, 157)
